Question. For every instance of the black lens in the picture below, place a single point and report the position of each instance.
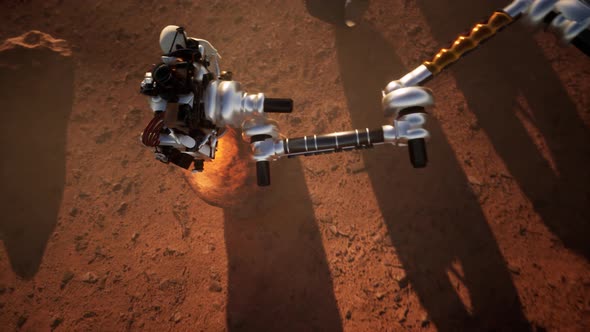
(162, 74)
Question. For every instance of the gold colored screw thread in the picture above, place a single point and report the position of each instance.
(463, 44)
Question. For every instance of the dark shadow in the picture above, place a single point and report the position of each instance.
(491, 79)
(278, 278)
(36, 95)
(337, 12)
(433, 218)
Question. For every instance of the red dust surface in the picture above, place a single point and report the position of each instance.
(99, 236)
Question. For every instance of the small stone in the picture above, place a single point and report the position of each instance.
(67, 277)
(215, 286)
(514, 269)
(357, 169)
(169, 252)
(117, 187)
(380, 296)
(90, 314)
(122, 208)
(83, 195)
(333, 229)
(348, 314)
(473, 180)
(74, 212)
(135, 236)
(90, 278)
(337, 232)
(177, 317)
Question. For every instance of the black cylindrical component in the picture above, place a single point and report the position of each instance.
(361, 138)
(417, 149)
(263, 173)
(278, 105)
(262, 167)
(582, 42)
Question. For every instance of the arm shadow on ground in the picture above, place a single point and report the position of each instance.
(433, 218)
(509, 79)
(37, 95)
(278, 275)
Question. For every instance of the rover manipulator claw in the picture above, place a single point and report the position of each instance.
(405, 106)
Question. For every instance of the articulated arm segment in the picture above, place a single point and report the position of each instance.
(407, 130)
(570, 19)
(464, 44)
(335, 142)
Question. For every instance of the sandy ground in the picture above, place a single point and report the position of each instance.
(98, 236)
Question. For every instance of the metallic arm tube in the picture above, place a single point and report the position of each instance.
(358, 139)
(517, 7)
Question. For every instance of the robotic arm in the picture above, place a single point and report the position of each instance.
(406, 100)
(568, 18)
(224, 103)
(407, 129)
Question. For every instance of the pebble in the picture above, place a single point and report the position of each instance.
(514, 269)
(122, 208)
(90, 314)
(177, 317)
(215, 286)
(67, 277)
(90, 278)
(473, 180)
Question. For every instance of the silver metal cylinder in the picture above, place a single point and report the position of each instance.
(226, 104)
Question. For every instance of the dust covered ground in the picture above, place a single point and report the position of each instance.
(99, 236)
